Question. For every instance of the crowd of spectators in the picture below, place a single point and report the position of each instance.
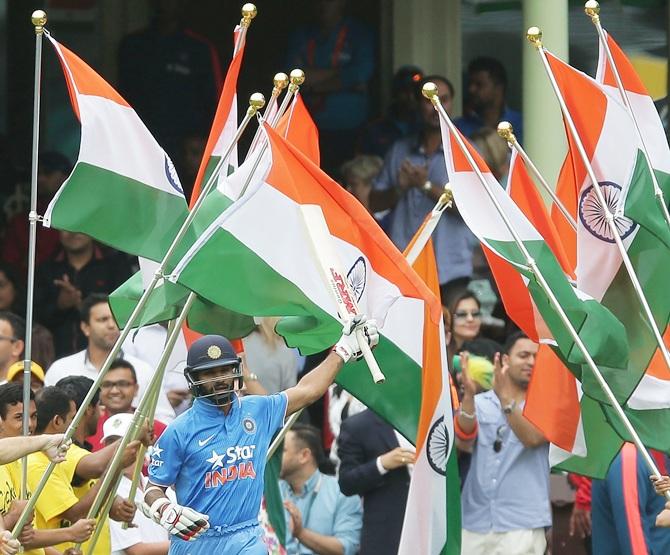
(394, 165)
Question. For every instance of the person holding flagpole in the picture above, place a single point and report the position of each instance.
(214, 454)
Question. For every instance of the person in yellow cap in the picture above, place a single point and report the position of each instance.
(15, 374)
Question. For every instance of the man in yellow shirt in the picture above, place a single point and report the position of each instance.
(11, 418)
(59, 505)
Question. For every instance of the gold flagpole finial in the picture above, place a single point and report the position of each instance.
(297, 78)
(534, 36)
(429, 90)
(256, 102)
(39, 19)
(447, 198)
(506, 131)
(280, 81)
(592, 9)
(248, 13)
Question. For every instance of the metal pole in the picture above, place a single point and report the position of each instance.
(39, 20)
(545, 287)
(446, 199)
(140, 413)
(280, 82)
(535, 37)
(592, 9)
(109, 500)
(248, 13)
(506, 131)
(297, 78)
(282, 433)
(256, 102)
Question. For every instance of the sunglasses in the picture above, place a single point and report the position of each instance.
(463, 314)
(497, 444)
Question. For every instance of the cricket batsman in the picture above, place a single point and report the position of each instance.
(214, 454)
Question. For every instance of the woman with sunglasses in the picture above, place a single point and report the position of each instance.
(466, 320)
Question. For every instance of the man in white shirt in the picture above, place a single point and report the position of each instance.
(147, 537)
(101, 331)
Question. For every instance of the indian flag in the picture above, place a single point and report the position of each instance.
(602, 334)
(167, 299)
(262, 243)
(433, 516)
(124, 190)
(624, 179)
(299, 129)
(223, 128)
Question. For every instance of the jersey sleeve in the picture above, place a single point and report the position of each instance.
(166, 458)
(57, 495)
(275, 407)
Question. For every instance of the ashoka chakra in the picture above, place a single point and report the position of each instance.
(437, 447)
(592, 214)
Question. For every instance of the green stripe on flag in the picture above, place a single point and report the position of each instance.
(453, 510)
(97, 202)
(602, 442)
(589, 318)
(166, 302)
(245, 290)
(273, 499)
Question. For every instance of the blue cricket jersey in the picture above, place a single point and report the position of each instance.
(216, 462)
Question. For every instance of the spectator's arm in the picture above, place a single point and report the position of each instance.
(93, 465)
(320, 543)
(81, 508)
(13, 448)
(357, 475)
(527, 433)
(348, 523)
(384, 193)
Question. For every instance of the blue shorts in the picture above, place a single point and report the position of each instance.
(242, 539)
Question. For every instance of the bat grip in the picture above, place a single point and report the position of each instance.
(376, 372)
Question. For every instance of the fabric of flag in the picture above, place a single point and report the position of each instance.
(654, 389)
(602, 334)
(602, 428)
(123, 190)
(223, 128)
(299, 129)
(263, 243)
(433, 515)
(624, 179)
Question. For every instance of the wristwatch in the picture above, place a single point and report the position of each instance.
(507, 409)
(427, 186)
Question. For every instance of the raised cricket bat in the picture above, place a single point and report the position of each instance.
(335, 278)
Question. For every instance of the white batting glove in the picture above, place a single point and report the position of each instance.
(183, 522)
(348, 347)
(8, 545)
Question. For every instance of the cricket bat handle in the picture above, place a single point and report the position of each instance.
(376, 372)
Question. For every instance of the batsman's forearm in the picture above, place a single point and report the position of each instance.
(156, 492)
(314, 384)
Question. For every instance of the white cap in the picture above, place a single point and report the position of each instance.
(117, 425)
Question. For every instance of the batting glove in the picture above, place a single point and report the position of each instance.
(183, 522)
(348, 347)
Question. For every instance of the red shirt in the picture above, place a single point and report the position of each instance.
(96, 439)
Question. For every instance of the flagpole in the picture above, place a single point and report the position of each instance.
(39, 20)
(506, 131)
(140, 414)
(296, 79)
(430, 92)
(282, 434)
(280, 82)
(256, 102)
(248, 13)
(592, 9)
(445, 200)
(151, 417)
(534, 36)
(109, 500)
